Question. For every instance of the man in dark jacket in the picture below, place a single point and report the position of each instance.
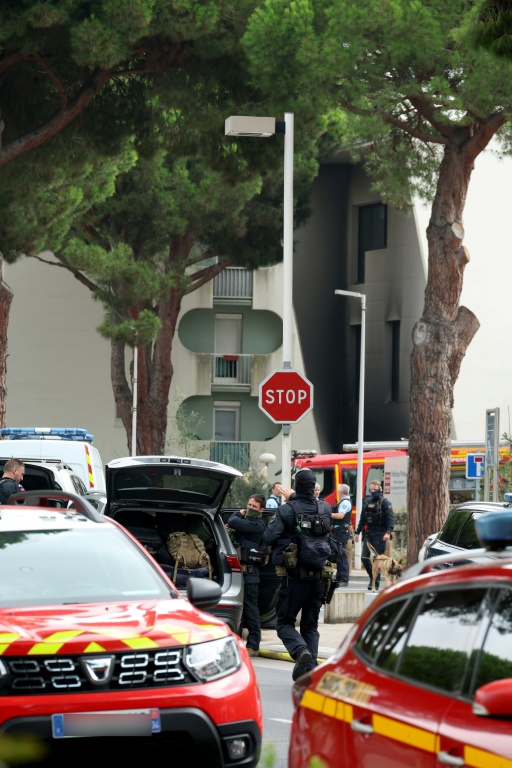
(250, 528)
(295, 593)
(14, 470)
(376, 524)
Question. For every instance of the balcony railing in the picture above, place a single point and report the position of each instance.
(233, 283)
(235, 454)
(231, 370)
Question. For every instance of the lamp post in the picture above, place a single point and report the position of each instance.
(134, 401)
(360, 426)
(263, 127)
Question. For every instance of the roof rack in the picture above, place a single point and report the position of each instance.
(41, 498)
(43, 433)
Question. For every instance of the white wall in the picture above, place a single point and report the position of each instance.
(58, 368)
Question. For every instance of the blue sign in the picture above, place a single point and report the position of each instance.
(475, 466)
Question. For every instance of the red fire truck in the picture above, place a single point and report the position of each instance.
(379, 459)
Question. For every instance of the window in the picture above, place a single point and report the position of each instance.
(355, 331)
(228, 345)
(453, 524)
(226, 421)
(467, 537)
(393, 332)
(78, 485)
(437, 650)
(496, 659)
(371, 233)
(374, 634)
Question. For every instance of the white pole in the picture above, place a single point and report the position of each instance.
(134, 402)
(360, 422)
(286, 451)
(360, 431)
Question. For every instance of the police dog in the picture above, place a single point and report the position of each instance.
(388, 566)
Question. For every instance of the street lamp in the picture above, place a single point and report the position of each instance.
(134, 400)
(263, 127)
(360, 427)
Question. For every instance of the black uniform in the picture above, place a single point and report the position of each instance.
(377, 518)
(250, 531)
(8, 486)
(295, 594)
(341, 533)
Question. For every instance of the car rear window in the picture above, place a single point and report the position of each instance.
(454, 522)
(168, 483)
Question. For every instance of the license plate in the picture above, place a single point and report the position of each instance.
(130, 722)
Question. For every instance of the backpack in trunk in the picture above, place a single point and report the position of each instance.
(189, 556)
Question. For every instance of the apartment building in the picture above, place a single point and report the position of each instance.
(229, 336)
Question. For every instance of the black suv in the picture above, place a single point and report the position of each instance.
(458, 532)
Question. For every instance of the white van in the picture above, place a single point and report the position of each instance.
(70, 446)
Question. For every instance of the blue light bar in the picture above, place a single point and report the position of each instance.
(40, 433)
(494, 529)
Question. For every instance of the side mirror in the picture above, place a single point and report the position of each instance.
(494, 699)
(203, 593)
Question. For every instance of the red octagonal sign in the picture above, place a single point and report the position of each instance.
(286, 396)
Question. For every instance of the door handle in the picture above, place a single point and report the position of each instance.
(360, 727)
(448, 759)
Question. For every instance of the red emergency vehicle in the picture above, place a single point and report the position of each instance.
(334, 468)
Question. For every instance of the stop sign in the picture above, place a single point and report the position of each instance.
(286, 396)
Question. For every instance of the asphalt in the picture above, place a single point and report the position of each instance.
(331, 635)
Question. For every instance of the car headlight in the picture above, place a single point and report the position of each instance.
(215, 659)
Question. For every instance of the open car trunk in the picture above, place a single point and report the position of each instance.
(152, 528)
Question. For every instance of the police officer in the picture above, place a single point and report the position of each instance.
(341, 514)
(249, 527)
(376, 524)
(296, 594)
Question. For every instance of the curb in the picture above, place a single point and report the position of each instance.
(280, 655)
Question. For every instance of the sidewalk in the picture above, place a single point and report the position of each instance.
(331, 635)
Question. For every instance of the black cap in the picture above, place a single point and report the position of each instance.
(305, 480)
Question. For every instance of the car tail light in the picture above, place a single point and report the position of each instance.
(234, 563)
(299, 688)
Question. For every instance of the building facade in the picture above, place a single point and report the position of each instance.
(230, 334)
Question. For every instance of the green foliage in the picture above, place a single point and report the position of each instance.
(185, 426)
(254, 480)
(370, 59)
(488, 26)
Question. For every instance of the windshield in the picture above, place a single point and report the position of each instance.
(55, 567)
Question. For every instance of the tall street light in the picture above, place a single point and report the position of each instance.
(360, 427)
(263, 127)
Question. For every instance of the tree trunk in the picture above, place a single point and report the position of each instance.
(440, 340)
(5, 308)
(121, 388)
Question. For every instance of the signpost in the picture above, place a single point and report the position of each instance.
(492, 447)
(286, 396)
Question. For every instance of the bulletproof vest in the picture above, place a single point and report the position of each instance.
(375, 515)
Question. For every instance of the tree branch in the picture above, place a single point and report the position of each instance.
(59, 121)
(426, 138)
(75, 272)
(53, 77)
(427, 111)
(208, 273)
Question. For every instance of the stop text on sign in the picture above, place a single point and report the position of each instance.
(286, 396)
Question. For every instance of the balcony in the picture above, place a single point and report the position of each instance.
(231, 371)
(233, 284)
(235, 454)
